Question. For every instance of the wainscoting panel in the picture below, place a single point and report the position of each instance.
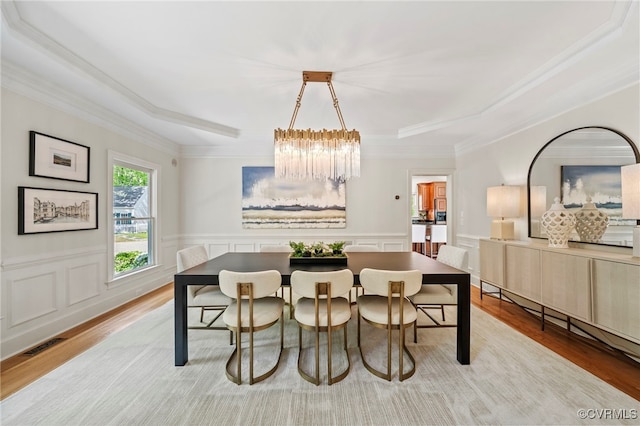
(390, 246)
(169, 256)
(217, 249)
(471, 243)
(83, 282)
(220, 244)
(244, 247)
(35, 294)
(45, 295)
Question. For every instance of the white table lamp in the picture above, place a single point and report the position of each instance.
(631, 200)
(503, 202)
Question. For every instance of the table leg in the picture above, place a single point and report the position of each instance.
(464, 321)
(180, 321)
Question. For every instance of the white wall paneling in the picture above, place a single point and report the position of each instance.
(471, 244)
(169, 255)
(35, 293)
(220, 244)
(44, 298)
(82, 282)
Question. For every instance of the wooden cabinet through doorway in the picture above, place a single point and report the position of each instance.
(433, 197)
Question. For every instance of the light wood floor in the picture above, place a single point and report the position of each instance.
(610, 366)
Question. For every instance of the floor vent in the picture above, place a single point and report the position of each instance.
(43, 346)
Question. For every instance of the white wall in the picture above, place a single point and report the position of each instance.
(52, 282)
(374, 216)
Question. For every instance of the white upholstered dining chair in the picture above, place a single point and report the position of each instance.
(350, 248)
(322, 309)
(280, 248)
(437, 235)
(437, 296)
(386, 306)
(254, 308)
(204, 297)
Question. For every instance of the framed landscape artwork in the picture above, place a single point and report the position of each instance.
(269, 202)
(601, 183)
(56, 158)
(54, 210)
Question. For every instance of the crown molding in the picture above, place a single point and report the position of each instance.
(59, 53)
(609, 152)
(596, 40)
(556, 107)
(27, 84)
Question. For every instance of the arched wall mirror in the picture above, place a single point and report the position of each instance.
(577, 164)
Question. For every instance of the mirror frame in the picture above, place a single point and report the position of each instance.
(633, 146)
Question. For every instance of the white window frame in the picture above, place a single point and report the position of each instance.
(119, 159)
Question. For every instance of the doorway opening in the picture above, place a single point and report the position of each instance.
(429, 205)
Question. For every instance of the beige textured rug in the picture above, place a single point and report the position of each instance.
(130, 379)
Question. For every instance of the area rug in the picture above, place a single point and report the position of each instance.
(130, 379)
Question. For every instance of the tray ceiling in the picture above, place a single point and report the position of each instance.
(413, 77)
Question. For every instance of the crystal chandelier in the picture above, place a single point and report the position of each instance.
(317, 154)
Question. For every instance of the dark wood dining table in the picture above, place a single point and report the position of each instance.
(433, 272)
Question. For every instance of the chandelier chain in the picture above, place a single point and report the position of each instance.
(335, 104)
(299, 104)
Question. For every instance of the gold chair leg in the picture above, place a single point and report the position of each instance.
(344, 374)
(403, 350)
(291, 306)
(237, 352)
(251, 357)
(358, 329)
(317, 349)
(329, 346)
(330, 378)
(400, 351)
(388, 375)
(402, 375)
(309, 378)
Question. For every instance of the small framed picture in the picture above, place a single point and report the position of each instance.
(55, 210)
(56, 158)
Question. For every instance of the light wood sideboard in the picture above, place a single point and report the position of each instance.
(598, 288)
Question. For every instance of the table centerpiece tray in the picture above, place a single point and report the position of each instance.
(318, 260)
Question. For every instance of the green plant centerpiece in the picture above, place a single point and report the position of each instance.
(317, 252)
(336, 248)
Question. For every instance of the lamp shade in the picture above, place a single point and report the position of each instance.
(503, 201)
(631, 200)
(631, 191)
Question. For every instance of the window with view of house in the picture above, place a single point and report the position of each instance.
(133, 216)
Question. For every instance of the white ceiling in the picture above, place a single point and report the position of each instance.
(415, 78)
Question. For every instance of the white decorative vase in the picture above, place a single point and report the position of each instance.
(591, 222)
(557, 223)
